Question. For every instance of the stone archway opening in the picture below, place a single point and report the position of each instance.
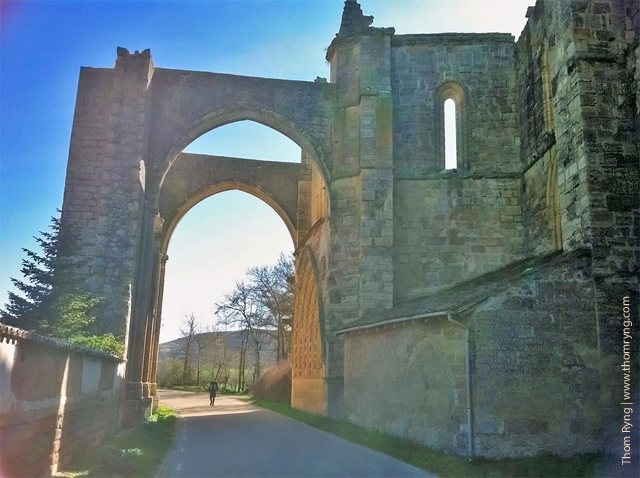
(247, 139)
(211, 248)
(294, 189)
(231, 149)
(209, 251)
(213, 121)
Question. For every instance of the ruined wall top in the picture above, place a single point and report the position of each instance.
(452, 39)
(353, 20)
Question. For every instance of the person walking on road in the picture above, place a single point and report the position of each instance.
(213, 390)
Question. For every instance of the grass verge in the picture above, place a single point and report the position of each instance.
(131, 453)
(439, 463)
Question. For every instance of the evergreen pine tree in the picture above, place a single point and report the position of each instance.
(26, 310)
(52, 302)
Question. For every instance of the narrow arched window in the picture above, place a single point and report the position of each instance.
(450, 108)
(450, 136)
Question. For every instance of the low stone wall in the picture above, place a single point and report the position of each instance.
(56, 399)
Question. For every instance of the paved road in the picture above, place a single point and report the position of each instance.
(237, 439)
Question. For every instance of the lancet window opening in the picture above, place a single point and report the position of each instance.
(450, 106)
(450, 135)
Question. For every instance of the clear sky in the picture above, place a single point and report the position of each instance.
(44, 43)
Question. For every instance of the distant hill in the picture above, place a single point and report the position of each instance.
(175, 348)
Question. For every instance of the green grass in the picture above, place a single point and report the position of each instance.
(190, 388)
(439, 463)
(132, 453)
(203, 389)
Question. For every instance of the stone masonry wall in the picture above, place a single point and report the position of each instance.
(482, 65)
(539, 384)
(105, 181)
(548, 152)
(57, 400)
(540, 198)
(450, 226)
(362, 182)
(131, 123)
(535, 57)
(451, 229)
(547, 139)
(308, 342)
(186, 104)
(194, 177)
(409, 380)
(307, 365)
(595, 130)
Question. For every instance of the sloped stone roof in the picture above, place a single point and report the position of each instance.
(461, 297)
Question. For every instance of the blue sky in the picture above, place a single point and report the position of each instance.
(43, 45)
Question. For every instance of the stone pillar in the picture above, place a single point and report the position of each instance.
(153, 319)
(598, 170)
(153, 374)
(138, 399)
(361, 193)
(307, 366)
(304, 219)
(104, 189)
(376, 173)
(105, 196)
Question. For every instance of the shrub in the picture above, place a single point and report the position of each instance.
(275, 384)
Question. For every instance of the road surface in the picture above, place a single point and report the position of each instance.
(236, 439)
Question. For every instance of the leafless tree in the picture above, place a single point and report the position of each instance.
(201, 341)
(272, 289)
(189, 330)
(217, 354)
(262, 305)
(238, 309)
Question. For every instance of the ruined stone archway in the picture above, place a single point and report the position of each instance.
(223, 116)
(128, 185)
(193, 178)
(401, 240)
